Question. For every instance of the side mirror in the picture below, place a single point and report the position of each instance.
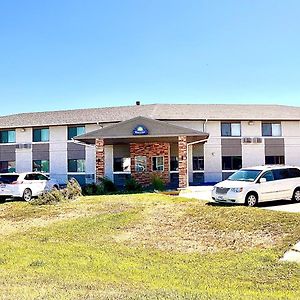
(262, 180)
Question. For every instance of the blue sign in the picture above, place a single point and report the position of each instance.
(140, 130)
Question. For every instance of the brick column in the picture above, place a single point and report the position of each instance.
(100, 159)
(182, 161)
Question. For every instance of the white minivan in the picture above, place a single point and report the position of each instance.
(258, 184)
(25, 185)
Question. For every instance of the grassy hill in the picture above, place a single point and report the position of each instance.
(145, 247)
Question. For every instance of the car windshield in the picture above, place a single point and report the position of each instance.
(8, 178)
(245, 175)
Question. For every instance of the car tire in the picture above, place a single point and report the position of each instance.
(296, 195)
(2, 199)
(251, 200)
(27, 195)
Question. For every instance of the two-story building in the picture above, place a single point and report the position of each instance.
(181, 143)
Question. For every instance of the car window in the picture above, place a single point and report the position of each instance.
(268, 176)
(8, 178)
(294, 172)
(29, 177)
(280, 174)
(41, 177)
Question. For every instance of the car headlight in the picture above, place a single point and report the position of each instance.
(236, 190)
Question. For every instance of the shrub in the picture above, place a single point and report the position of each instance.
(157, 183)
(71, 192)
(131, 185)
(105, 186)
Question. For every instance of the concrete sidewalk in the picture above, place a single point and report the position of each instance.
(293, 255)
(197, 192)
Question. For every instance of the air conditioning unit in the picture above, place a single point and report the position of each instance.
(23, 146)
(257, 140)
(247, 140)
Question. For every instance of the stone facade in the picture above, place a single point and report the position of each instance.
(182, 161)
(150, 150)
(100, 159)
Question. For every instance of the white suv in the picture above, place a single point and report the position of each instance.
(258, 184)
(25, 185)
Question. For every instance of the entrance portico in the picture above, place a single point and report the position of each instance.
(149, 142)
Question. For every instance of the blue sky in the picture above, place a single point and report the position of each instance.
(92, 53)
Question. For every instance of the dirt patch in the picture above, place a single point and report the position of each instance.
(166, 227)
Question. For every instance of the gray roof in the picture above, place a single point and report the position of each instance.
(155, 111)
(155, 129)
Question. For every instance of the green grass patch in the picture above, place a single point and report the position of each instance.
(145, 247)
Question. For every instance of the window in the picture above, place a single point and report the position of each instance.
(158, 163)
(7, 166)
(294, 172)
(280, 174)
(274, 160)
(122, 164)
(74, 131)
(268, 176)
(8, 136)
(231, 162)
(140, 164)
(40, 166)
(271, 129)
(76, 165)
(231, 129)
(174, 163)
(41, 135)
(198, 163)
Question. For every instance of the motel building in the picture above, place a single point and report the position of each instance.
(184, 144)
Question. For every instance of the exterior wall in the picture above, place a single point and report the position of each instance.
(291, 134)
(58, 153)
(253, 154)
(149, 150)
(212, 153)
(23, 156)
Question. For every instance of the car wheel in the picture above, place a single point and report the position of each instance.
(251, 200)
(296, 195)
(27, 195)
(2, 199)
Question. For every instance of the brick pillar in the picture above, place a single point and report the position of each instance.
(100, 160)
(182, 161)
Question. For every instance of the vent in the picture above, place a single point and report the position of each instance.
(23, 146)
(257, 140)
(247, 140)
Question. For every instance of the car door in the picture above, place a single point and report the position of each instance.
(41, 182)
(283, 183)
(267, 190)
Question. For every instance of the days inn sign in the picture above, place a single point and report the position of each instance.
(140, 130)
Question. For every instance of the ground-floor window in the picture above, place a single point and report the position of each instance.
(40, 166)
(231, 162)
(140, 164)
(158, 163)
(174, 163)
(122, 164)
(198, 163)
(274, 160)
(76, 165)
(7, 166)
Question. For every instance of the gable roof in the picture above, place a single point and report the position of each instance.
(155, 111)
(124, 131)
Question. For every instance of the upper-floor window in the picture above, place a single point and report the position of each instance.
(74, 131)
(271, 129)
(230, 129)
(41, 135)
(7, 136)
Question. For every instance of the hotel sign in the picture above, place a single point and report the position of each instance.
(140, 130)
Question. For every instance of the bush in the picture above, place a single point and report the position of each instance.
(131, 185)
(71, 192)
(157, 183)
(105, 186)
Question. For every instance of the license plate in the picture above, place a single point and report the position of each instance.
(220, 198)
